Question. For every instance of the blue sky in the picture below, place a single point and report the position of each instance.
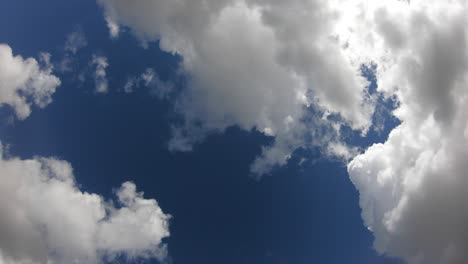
(304, 211)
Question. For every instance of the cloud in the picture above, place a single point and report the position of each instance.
(150, 79)
(25, 82)
(413, 187)
(75, 41)
(130, 85)
(45, 218)
(254, 64)
(100, 80)
(267, 65)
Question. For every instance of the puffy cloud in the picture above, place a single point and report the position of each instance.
(255, 64)
(25, 82)
(413, 186)
(45, 218)
(266, 65)
(100, 80)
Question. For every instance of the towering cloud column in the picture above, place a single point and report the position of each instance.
(413, 187)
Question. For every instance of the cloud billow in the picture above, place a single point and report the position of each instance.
(413, 186)
(45, 218)
(253, 65)
(262, 64)
(25, 82)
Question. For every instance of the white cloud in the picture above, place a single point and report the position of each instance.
(45, 218)
(100, 76)
(413, 186)
(256, 64)
(24, 82)
(259, 64)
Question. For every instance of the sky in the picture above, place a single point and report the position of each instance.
(233, 131)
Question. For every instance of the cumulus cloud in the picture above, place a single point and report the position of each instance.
(255, 64)
(25, 82)
(413, 186)
(45, 218)
(100, 75)
(265, 64)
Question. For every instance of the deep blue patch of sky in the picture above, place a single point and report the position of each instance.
(300, 214)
